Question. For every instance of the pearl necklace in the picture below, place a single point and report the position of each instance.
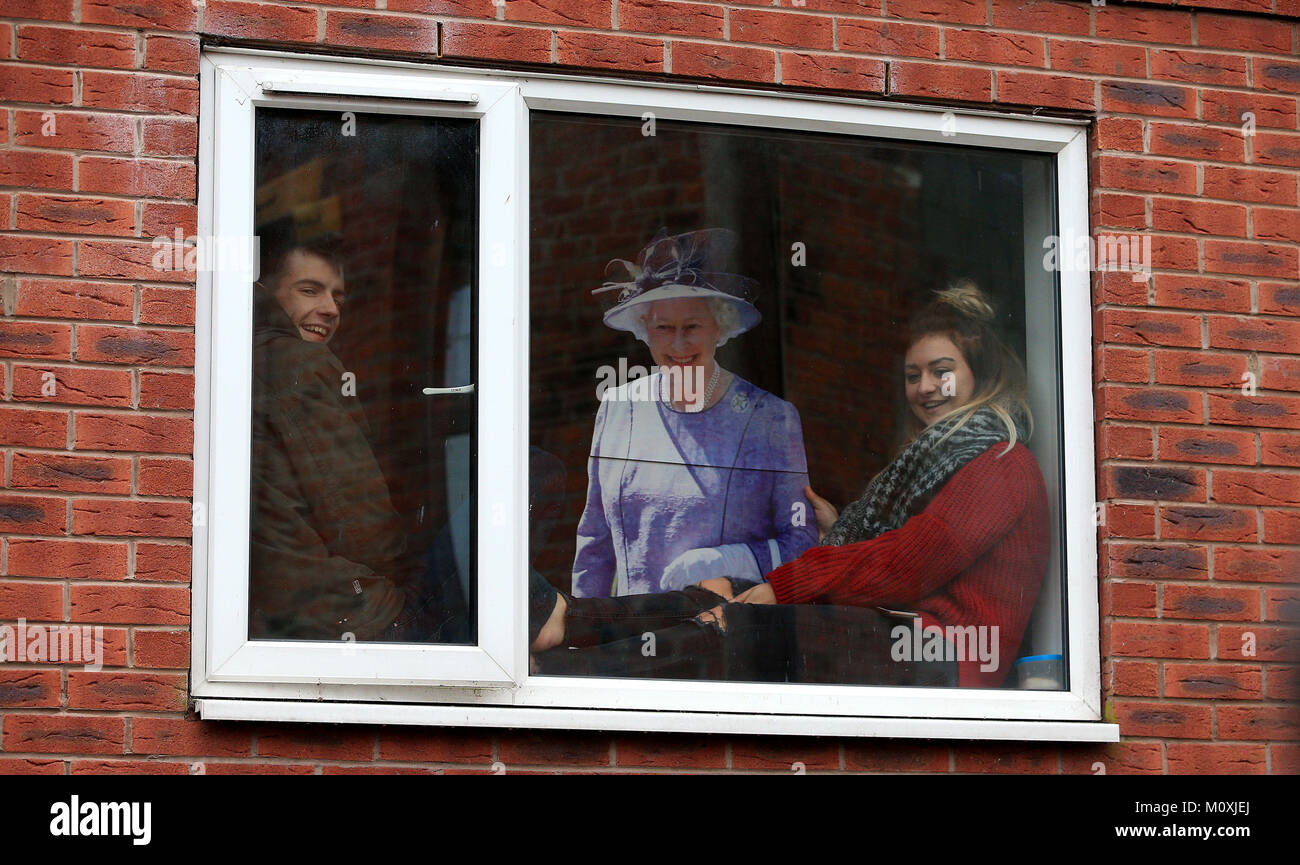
(708, 393)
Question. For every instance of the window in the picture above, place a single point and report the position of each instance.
(519, 334)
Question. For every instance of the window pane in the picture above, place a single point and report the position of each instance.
(362, 522)
(760, 345)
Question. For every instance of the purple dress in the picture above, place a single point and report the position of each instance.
(661, 482)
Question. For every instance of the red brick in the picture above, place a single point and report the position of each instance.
(575, 13)
(1120, 758)
(1155, 482)
(172, 54)
(72, 385)
(29, 340)
(1242, 32)
(1227, 106)
(937, 81)
(65, 734)
(35, 602)
(70, 473)
(261, 21)
(139, 91)
(1276, 224)
(1118, 287)
(1199, 368)
(170, 136)
(1150, 328)
(997, 758)
(259, 768)
(520, 748)
(1180, 444)
(960, 11)
(1256, 565)
(1269, 643)
(128, 767)
(994, 47)
(1148, 98)
(1120, 211)
(791, 29)
(1150, 175)
(162, 649)
(1225, 70)
(671, 19)
(1279, 449)
(166, 390)
(32, 428)
(1252, 259)
(112, 133)
(316, 742)
(1098, 58)
(155, 15)
(1252, 333)
(1134, 679)
(134, 345)
(33, 515)
(1143, 25)
(1203, 758)
(1285, 759)
(1249, 184)
(1282, 605)
(1281, 527)
(193, 738)
(1268, 411)
(381, 32)
(888, 38)
(833, 71)
(162, 562)
(33, 170)
(77, 46)
(1197, 217)
(145, 177)
(1046, 89)
(1258, 722)
(1192, 522)
(1279, 298)
(1148, 404)
(601, 51)
(73, 560)
(1126, 442)
(160, 219)
(114, 518)
(1211, 602)
(1041, 16)
(166, 477)
(37, 85)
(1273, 74)
(1188, 291)
(35, 255)
(138, 259)
(124, 691)
(1276, 149)
(134, 432)
(1131, 599)
(29, 689)
(47, 298)
(672, 752)
(1196, 141)
(76, 215)
(131, 605)
(436, 746)
(1124, 364)
(1159, 640)
(46, 10)
(794, 754)
(1119, 133)
(703, 60)
(1150, 561)
(496, 42)
(1129, 521)
(1268, 487)
(1164, 720)
(1283, 683)
(903, 755)
(1170, 253)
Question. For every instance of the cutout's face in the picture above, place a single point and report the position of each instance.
(681, 332)
(310, 291)
(937, 378)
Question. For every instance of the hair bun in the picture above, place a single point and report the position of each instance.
(966, 298)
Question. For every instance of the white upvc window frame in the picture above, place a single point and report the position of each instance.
(489, 685)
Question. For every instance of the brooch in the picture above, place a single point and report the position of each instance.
(739, 402)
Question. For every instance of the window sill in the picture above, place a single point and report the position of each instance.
(666, 722)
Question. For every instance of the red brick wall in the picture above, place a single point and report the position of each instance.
(1202, 538)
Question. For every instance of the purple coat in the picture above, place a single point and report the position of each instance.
(661, 482)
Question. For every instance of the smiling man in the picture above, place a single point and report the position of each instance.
(329, 560)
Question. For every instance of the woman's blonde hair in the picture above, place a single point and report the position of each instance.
(964, 314)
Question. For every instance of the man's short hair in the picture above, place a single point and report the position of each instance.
(275, 257)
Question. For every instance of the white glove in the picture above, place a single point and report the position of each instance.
(705, 563)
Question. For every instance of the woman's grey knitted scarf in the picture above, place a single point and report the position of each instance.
(908, 483)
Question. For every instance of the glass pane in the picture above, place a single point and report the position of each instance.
(721, 316)
(362, 521)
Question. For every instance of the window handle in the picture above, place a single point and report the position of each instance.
(430, 391)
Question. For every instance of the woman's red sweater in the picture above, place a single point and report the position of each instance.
(975, 556)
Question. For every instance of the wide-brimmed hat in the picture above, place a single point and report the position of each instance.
(681, 266)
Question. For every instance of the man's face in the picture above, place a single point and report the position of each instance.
(310, 291)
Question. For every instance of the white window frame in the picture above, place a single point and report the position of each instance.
(489, 685)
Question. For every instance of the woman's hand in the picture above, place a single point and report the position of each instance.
(824, 512)
(760, 594)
